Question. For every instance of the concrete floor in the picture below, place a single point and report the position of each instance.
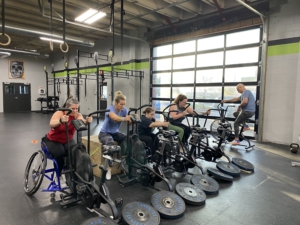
(271, 195)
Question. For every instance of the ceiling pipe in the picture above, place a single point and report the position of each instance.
(25, 52)
(252, 9)
(38, 34)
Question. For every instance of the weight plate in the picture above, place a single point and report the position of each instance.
(243, 164)
(228, 168)
(168, 204)
(218, 174)
(209, 185)
(140, 213)
(190, 193)
(98, 220)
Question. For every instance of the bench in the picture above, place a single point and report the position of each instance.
(96, 156)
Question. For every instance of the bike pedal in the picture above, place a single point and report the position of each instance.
(119, 202)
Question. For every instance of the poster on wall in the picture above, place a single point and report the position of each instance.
(16, 70)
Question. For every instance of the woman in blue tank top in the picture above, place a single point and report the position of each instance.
(112, 122)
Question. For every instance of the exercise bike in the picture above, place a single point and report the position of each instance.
(219, 123)
(78, 172)
(170, 145)
(179, 161)
(136, 163)
(204, 151)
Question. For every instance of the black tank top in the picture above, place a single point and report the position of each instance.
(179, 120)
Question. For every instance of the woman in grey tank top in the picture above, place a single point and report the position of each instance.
(177, 117)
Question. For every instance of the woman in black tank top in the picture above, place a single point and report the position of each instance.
(178, 117)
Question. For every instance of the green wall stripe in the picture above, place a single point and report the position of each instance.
(128, 66)
(284, 49)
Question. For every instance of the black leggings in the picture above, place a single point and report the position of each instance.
(150, 141)
(186, 129)
(58, 151)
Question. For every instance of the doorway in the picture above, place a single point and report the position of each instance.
(16, 97)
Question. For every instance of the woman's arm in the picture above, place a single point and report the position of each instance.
(191, 111)
(159, 124)
(57, 119)
(119, 119)
(86, 120)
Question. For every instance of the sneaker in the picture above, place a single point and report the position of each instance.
(246, 128)
(236, 142)
(108, 174)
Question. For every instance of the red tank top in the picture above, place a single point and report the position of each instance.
(58, 134)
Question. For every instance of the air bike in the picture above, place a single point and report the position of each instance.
(137, 160)
(78, 171)
(201, 149)
(182, 160)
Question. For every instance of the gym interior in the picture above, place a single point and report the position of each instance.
(152, 51)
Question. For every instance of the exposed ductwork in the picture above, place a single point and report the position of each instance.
(7, 50)
(35, 33)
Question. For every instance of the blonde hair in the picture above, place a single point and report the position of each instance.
(148, 110)
(180, 98)
(119, 96)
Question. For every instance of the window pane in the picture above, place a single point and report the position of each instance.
(162, 78)
(184, 62)
(162, 64)
(241, 74)
(246, 55)
(187, 91)
(230, 92)
(210, 59)
(161, 92)
(184, 47)
(209, 76)
(104, 94)
(209, 93)
(211, 43)
(203, 106)
(159, 105)
(231, 110)
(242, 38)
(162, 51)
(23, 89)
(10, 90)
(185, 77)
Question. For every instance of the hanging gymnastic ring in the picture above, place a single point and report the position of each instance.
(51, 45)
(8, 41)
(67, 47)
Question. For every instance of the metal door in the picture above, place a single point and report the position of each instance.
(16, 97)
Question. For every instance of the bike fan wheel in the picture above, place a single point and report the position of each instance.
(34, 172)
(215, 130)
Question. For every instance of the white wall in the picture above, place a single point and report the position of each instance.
(132, 50)
(282, 96)
(34, 74)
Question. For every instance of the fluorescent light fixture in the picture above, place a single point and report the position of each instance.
(95, 17)
(51, 39)
(86, 15)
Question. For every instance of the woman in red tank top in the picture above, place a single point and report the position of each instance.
(56, 140)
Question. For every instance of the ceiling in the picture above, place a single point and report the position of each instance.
(27, 20)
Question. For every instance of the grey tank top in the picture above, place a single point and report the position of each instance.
(179, 120)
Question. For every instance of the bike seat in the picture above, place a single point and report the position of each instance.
(199, 129)
(225, 125)
(110, 149)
